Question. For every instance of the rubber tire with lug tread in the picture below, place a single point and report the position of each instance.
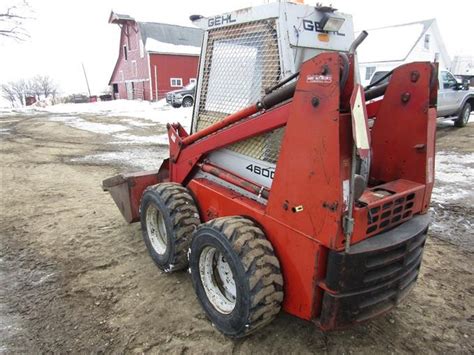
(187, 102)
(461, 121)
(181, 218)
(256, 272)
(176, 105)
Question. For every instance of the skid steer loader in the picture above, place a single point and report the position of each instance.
(296, 189)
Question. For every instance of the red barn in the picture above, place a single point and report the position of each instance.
(154, 58)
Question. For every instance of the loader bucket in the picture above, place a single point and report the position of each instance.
(127, 189)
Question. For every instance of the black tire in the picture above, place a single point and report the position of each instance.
(464, 115)
(176, 211)
(255, 270)
(176, 105)
(188, 101)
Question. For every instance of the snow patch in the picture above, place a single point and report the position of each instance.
(79, 123)
(146, 159)
(134, 139)
(453, 177)
(152, 45)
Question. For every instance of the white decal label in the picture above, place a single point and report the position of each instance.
(173, 138)
(319, 79)
(345, 193)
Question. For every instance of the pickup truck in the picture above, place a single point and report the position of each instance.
(455, 100)
(182, 97)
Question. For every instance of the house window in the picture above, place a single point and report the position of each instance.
(176, 82)
(125, 54)
(134, 68)
(369, 71)
(427, 41)
(192, 81)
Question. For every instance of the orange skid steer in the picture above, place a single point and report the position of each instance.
(298, 189)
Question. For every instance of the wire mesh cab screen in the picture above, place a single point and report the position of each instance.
(240, 62)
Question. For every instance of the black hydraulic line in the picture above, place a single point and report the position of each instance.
(345, 69)
(277, 96)
(376, 92)
(379, 80)
(281, 83)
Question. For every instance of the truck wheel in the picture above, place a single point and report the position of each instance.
(176, 105)
(188, 102)
(168, 216)
(236, 275)
(463, 117)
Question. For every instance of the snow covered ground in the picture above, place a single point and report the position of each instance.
(155, 112)
(136, 128)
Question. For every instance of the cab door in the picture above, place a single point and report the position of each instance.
(448, 95)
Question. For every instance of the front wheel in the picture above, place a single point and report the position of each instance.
(464, 115)
(236, 275)
(168, 216)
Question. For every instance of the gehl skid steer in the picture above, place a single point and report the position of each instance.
(297, 189)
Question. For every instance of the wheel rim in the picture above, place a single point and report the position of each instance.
(467, 113)
(187, 103)
(217, 279)
(156, 228)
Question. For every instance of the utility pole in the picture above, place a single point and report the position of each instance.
(87, 81)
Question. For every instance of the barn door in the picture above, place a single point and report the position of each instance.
(129, 87)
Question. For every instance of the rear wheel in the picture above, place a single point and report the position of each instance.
(168, 218)
(236, 275)
(188, 101)
(464, 115)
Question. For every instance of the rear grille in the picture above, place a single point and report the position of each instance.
(388, 214)
(374, 276)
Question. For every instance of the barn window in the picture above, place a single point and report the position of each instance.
(176, 82)
(125, 54)
(427, 41)
(192, 81)
(369, 71)
(135, 68)
(142, 49)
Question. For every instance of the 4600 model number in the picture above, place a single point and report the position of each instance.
(265, 172)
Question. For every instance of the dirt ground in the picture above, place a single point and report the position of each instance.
(74, 277)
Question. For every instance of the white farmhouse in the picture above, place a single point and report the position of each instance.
(388, 47)
(463, 67)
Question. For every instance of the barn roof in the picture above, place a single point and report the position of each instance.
(172, 34)
(163, 37)
(392, 43)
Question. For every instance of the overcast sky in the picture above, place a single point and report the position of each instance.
(66, 33)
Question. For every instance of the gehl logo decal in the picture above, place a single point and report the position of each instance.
(315, 26)
(220, 20)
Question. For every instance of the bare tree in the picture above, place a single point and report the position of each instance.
(45, 85)
(8, 93)
(12, 20)
(21, 89)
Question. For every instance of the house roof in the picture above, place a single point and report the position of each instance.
(392, 43)
(463, 65)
